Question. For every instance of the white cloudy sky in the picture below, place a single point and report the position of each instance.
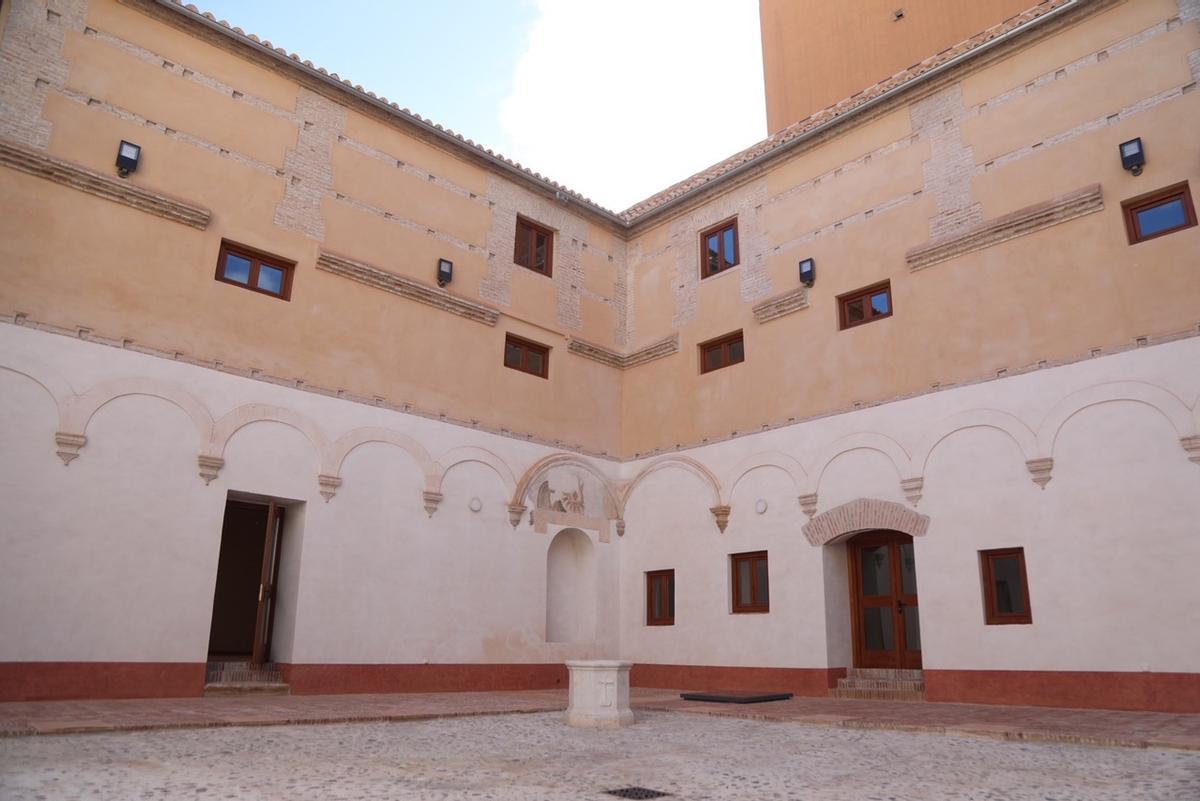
(614, 98)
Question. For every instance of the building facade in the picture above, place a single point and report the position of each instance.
(913, 384)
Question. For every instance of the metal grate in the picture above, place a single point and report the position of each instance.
(636, 792)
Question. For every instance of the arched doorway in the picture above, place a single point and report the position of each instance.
(570, 588)
(883, 600)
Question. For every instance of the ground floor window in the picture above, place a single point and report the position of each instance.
(750, 586)
(1005, 589)
(660, 598)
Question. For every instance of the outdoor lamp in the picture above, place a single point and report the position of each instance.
(445, 271)
(1133, 156)
(127, 157)
(808, 272)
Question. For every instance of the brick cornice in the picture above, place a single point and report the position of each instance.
(778, 306)
(37, 163)
(623, 361)
(1010, 226)
(406, 287)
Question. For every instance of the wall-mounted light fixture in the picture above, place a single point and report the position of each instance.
(808, 272)
(898, 14)
(1133, 155)
(128, 155)
(445, 271)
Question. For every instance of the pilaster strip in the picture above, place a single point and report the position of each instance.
(27, 160)
(780, 305)
(1010, 226)
(623, 361)
(406, 287)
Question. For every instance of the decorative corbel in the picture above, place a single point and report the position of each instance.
(1192, 446)
(329, 485)
(721, 515)
(808, 504)
(515, 511)
(210, 466)
(620, 527)
(432, 499)
(913, 488)
(1040, 470)
(68, 445)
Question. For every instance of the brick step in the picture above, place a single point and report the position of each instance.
(230, 689)
(885, 674)
(877, 695)
(880, 684)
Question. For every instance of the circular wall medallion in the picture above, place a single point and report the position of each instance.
(761, 506)
(475, 504)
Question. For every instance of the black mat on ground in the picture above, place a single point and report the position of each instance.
(735, 697)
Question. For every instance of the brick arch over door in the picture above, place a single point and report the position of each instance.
(862, 515)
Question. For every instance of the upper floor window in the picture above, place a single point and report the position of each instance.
(526, 356)
(865, 305)
(660, 598)
(255, 270)
(1005, 588)
(1159, 213)
(750, 586)
(534, 247)
(719, 248)
(718, 353)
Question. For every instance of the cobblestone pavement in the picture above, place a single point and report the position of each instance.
(536, 756)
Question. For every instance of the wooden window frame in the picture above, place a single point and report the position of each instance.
(724, 343)
(669, 618)
(526, 346)
(865, 293)
(991, 613)
(257, 258)
(720, 228)
(533, 229)
(1131, 207)
(756, 606)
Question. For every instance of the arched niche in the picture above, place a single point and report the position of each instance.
(570, 588)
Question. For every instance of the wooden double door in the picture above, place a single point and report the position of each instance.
(883, 600)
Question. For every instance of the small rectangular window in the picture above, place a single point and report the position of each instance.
(255, 270)
(534, 247)
(750, 584)
(865, 305)
(1159, 213)
(1005, 588)
(526, 356)
(718, 353)
(660, 598)
(718, 248)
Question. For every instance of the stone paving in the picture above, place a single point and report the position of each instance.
(535, 756)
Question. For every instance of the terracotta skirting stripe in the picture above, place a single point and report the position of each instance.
(318, 679)
(813, 682)
(60, 681)
(1145, 692)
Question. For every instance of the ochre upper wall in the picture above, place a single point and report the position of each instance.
(816, 53)
(918, 192)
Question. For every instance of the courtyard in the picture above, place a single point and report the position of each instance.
(793, 750)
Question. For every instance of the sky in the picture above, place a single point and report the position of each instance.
(616, 99)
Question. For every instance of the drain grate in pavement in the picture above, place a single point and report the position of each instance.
(636, 792)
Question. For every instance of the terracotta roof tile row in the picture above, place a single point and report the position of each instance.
(717, 171)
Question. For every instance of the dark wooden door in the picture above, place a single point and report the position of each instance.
(265, 617)
(883, 600)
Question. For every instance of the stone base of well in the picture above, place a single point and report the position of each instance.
(599, 694)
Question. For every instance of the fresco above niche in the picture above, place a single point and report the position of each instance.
(571, 497)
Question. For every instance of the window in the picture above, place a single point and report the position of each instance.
(750, 591)
(1005, 590)
(534, 247)
(718, 353)
(528, 357)
(255, 270)
(1159, 213)
(718, 248)
(865, 305)
(660, 598)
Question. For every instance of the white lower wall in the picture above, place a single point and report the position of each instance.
(114, 557)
